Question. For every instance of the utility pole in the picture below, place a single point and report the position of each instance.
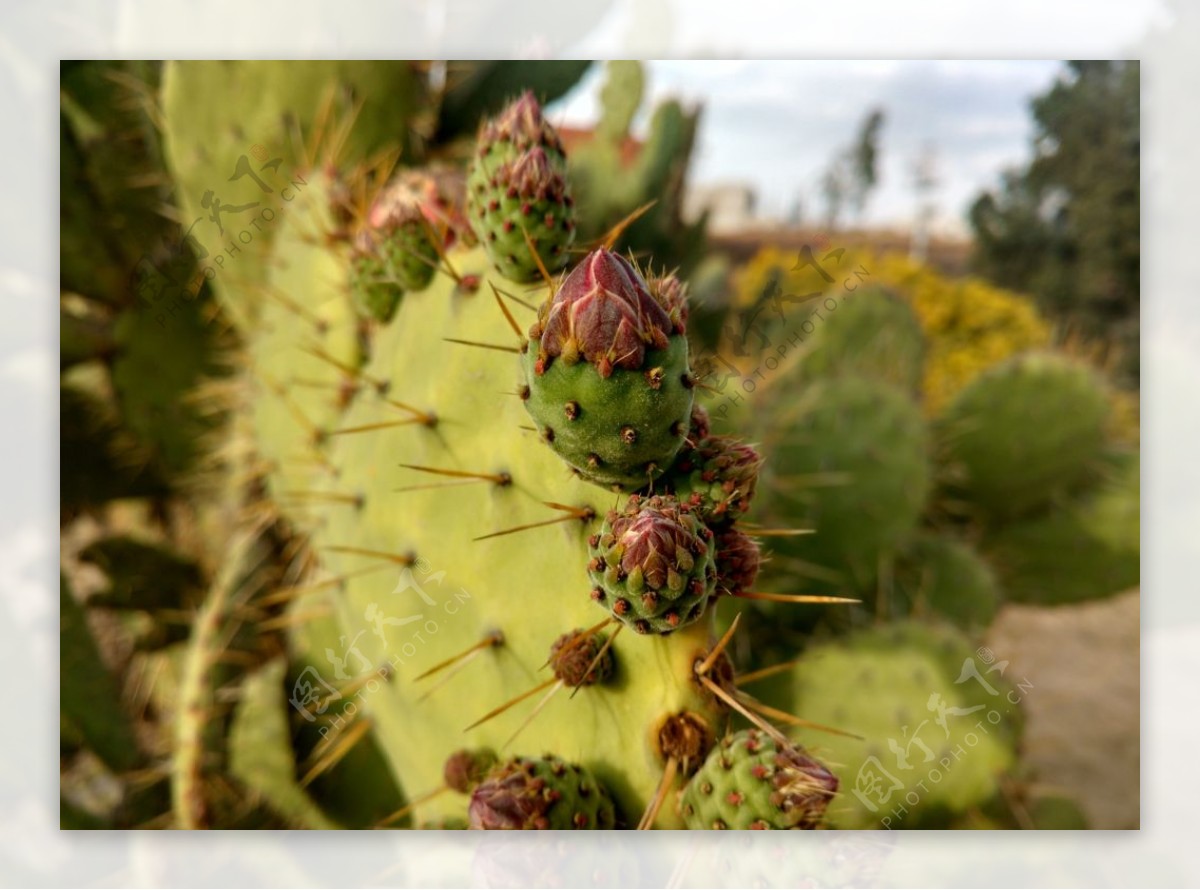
(925, 183)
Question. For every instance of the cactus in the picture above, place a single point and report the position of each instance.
(847, 459)
(353, 435)
(613, 178)
(1023, 433)
(722, 472)
(890, 686)
(1082, 550)
(754, 781)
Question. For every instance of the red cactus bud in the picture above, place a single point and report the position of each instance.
(604, 313)
(533, 177)
(522, 124)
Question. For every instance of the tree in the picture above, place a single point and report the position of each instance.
(853, 172)
(1067, 228)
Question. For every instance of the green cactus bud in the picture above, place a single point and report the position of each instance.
(608, 378)
(752, 781)
(652, 564)
(517, 190)
(723, 472)
(375, 292)
(547, 793)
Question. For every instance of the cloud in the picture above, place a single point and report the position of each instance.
(776, 124)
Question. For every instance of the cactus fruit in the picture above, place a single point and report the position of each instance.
(607, 377)
(399, 245)
(929, 709)
(723, 472)
(753, 781)
(544, 793)
(1024, 432)
(652, 564)
(858, 449)
(518, 195)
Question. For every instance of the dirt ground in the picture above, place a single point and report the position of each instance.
(1082, 735)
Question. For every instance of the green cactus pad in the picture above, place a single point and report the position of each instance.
(1025, 432)
(753, 781)
(891, 685)
(545, 794)
(652, 564)
(620, 431)
(871, 333)
(848, 459)
(946, 577)
(488, 585)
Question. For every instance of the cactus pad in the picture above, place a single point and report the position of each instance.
(1024, 432)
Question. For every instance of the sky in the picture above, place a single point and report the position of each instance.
(775, 125)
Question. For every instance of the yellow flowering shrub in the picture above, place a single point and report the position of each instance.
(969, 324)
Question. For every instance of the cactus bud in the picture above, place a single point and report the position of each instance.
(723, 471)
(652, 564)
(545, 794)
(754, 781)
(517, 193)
(604, 313)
